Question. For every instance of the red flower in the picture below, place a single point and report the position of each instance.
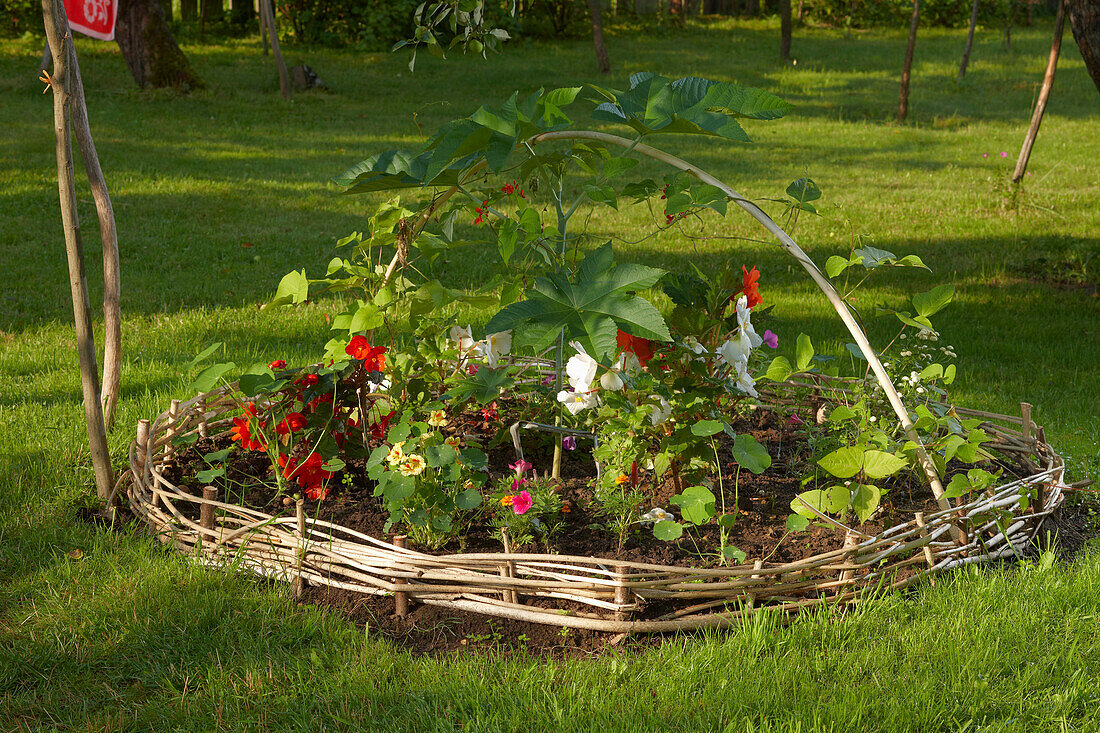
(490, 413)
(508, 188)
(242, 429)
(751, 288)
(307, 380)
(371, 356)
(378, 429)
(323, 398)
(309, 474)
(277, 364)
(292, 423)
(640, 347)
(481, 211)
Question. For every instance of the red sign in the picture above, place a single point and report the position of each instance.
(95, 18)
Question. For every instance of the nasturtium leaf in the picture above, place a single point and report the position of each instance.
(378, 456)
(474, 458)
(468, 499)
(804, 352)
(865, 499)
(398, 433)
(797, 523)
(209, 474)
(750, 454)
(668, 530)
(217, 456)
(293, 289)
(732, 553)
(727, 520)
(696, 504)
(843, 462)
(258, 378)
(440, 455)
(333, 464)
(706, 428)
(929, 303)
(879, 464)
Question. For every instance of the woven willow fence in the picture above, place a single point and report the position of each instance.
(587, 592)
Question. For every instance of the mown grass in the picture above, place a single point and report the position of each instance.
(132, 637)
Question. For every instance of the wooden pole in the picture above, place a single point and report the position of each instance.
(284, 80)
(623, 595)
(206, 510)
(1044, 94)
(969, 40)
(927, 550)
(903, 102)
(58, 34)
(108, 234)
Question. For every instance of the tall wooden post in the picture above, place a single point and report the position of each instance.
(59, 35)
(269, 18)
(1044, 94)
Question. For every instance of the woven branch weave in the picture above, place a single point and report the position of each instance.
(587, 592)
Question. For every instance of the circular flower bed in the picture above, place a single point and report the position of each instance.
(589, 592)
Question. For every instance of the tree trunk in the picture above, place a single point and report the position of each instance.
(785, 29)
(903, 102)
(166, 8)
(1084, 21)
(60, 40)
(267, 12)
(969, 40)
(602, 60)
(189, 10)
(212, 10)
(1044, 95)
(149, 48)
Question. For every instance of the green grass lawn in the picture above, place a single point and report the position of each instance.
(219, 193)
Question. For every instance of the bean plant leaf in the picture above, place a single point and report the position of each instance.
(843, 462)
(932, 302)
(804, 352)
(803, 191)
(879, 464)
(779, 370)
(865, 499)
(821, 500)
(749, 454)
(655, 104)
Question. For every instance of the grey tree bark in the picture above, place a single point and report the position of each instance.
(149, 49)
(1084, 21)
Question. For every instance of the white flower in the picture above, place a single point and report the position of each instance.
(661, 412)
(580, 369)
(495, 346)
(732, 352)
(873, 418)
(657, 514)
(920, 390)
(577, 401)
(382, 386)
(744, 381)
(693, 344)
(463, 337)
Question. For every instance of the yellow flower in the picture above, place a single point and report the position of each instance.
(413, 465)
(507, 500)
(396, 455)
(622, 479)
(438, 419)
(454, 441)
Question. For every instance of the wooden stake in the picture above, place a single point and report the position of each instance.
(850, 540)
(400, 600)
(173, 418)
(508, 569)
(1044, 94)
(299, 581)
(207, 513)
(284, 81)
(141, 449)
(58, 34)
(927, 550)
(623, 595)
(1025, 413)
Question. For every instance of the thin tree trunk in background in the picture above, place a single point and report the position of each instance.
(903, 102)
(1010, 20)
(263, 25)
(602, 60)
(1044, 94)
(58, 34)
(1084, 21)
(969, 40)
(212, 10)
(189, 10)
(785, 29)
(269, 13)
(166, 8)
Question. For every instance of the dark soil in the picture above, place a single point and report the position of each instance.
(763, 505)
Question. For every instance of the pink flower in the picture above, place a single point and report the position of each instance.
(472, 369)
(985, 155)
(1004, 153)
(569, 442)
(771, 339)
(796, 420)
(521, 467)
(521, 502)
